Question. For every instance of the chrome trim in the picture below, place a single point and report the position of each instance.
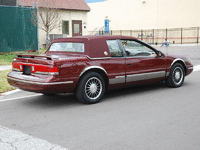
(167, 74)
(191, 68)
(117, 79)
(98, 58)
(145, 76)
(92, 67)
(120, 77)
(176, 61)
(45, 73)
(51, 83)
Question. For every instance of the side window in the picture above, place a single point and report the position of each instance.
(134, 48)
(114, 48)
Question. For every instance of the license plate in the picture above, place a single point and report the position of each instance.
(27, 70)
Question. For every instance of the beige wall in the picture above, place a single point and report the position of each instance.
(153, 14)
(66, 16)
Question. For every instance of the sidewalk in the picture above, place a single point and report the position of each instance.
(5, 67)
(174, 45)
(15, 140)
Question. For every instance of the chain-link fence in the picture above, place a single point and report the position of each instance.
(157, 36)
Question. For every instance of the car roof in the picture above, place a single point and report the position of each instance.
(93, 37)
(95, 46)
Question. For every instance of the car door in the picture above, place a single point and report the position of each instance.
(115, 66)
(142, 62)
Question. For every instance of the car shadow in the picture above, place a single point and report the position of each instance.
(57, 100)
(134, 90)
(70, 100)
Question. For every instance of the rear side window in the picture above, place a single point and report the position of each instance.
(114, 49)
(67, 47)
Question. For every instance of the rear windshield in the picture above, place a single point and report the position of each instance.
(67, 47)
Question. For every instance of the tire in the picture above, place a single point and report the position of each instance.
(91, 88)
(176, 76)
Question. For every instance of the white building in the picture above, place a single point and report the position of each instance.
(73, 17)
(144, 14)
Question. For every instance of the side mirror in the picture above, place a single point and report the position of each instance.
(160, 54)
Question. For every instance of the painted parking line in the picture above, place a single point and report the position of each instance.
(197, 68)
(13, 139)
(10, 99)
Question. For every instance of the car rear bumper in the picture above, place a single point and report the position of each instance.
(40, 85)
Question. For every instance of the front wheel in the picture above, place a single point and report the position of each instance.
(176, 76)
(91, 88)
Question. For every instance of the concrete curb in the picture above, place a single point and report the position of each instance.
(13, 139)
(10, 92)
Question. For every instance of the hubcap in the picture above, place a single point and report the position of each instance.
(93, 88)
(178, 75)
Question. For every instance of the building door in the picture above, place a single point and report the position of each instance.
(76, 27)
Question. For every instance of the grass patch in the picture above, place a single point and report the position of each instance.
(6, 58)
(4, 85)
(42, 51)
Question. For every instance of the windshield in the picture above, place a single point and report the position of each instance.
(67, 47)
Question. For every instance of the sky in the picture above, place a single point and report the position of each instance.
(93, 1)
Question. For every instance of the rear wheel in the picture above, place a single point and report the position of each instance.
(176, 76)
(91, 88)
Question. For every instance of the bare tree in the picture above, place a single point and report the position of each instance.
(46, 17)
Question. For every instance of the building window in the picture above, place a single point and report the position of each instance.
(65, 27)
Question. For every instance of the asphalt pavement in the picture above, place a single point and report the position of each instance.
(142, 117)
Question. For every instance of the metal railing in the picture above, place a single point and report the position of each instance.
(190, 35)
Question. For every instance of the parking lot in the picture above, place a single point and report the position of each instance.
(142, 117)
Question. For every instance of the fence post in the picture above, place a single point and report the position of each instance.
(153, 36)
(197, 35)
(181, 35)
(141, 35)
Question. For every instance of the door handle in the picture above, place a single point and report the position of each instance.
(129, 64)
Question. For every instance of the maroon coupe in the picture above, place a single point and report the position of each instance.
(88, 65)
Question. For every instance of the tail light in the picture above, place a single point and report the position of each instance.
(35, 68)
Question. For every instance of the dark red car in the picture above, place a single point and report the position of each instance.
(88, 65)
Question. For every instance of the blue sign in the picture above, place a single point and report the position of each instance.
(106, 26)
